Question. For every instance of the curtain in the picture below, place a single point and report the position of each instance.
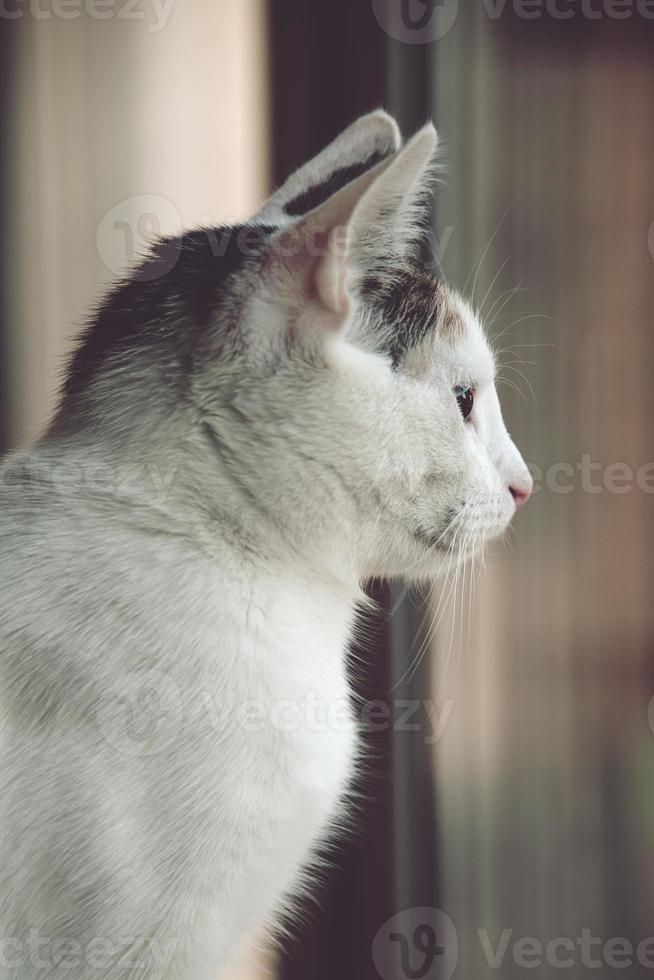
(544, 772)
(117, 130)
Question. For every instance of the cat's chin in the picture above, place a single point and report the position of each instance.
(440, 548)
(446, 559)
(431, 566)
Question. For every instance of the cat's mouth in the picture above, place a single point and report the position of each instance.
(461, 532)
(432, 540)
(444, 539)
(450, 546)
(468, 525)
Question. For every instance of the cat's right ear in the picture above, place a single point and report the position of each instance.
(315, 271)
(368, 141)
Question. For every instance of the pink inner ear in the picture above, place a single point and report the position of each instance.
(331, 284)
(330, 274)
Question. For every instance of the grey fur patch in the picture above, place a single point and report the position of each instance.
(412, 302)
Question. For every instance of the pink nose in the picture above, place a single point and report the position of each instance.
(521, 494)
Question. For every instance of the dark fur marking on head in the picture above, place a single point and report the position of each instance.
(410, 302)
(165, 307)
(315, 196)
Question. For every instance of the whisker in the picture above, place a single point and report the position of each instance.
(454, 609)
(493, 314)
(524, 377)
(514, 386)
(417, 636)
(413, 667)
(483, 255)
(449, 649)
(518, 358)
(551, 346)
(522, 319)
(488, 291)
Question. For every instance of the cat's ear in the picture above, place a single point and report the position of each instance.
(362, 232)
(368, 141)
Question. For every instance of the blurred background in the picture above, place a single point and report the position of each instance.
(507, 827)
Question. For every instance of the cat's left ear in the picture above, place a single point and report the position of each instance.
(367, 141)
(363, 232)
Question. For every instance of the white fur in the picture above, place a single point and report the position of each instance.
(229, 582)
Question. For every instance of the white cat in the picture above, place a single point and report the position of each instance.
(257, 421)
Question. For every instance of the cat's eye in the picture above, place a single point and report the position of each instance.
(465, 397)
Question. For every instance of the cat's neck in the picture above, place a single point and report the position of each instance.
(180, 490)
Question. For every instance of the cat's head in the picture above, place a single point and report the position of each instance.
(336, 384)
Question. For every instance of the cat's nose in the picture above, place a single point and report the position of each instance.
(521, 490)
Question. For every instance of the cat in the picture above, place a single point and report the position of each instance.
(256, 421)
